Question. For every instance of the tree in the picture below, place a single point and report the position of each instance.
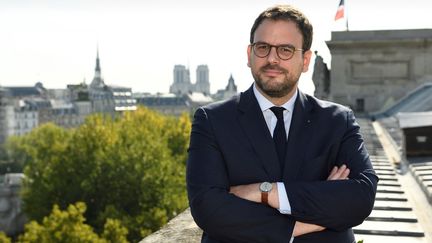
(131, 169)
(4, 238)
(68, 226)
(41, 153)
(5, 165)
(114, 232)
(44, 142)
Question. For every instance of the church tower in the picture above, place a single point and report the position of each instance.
(97, 80)
(182, 84)
(100, 95)
(202, 84)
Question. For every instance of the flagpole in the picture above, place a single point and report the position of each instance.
(346, 15)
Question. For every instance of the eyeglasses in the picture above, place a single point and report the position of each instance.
(284, 52)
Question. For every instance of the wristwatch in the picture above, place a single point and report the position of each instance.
(265, 189)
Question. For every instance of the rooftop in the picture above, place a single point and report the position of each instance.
(418, 100)
(199, 97)
(23, 91)
(367, 35)
(414, 119)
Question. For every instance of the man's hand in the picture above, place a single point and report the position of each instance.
(340, 173)
(301, 228)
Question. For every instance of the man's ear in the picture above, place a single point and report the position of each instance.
(249, 52)
(307, 56)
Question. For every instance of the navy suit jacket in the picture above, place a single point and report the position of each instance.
(231, 145)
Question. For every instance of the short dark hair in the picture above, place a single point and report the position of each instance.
(287, 13)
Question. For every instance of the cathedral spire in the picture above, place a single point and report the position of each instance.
(97, 80)
(97, 69)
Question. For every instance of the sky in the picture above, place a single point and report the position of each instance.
(140, 41)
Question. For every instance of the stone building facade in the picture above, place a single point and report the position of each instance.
(25, 108)
(370, 70)
(182, 84)
(177, 103)
(172, 104)
(229, 91)
(3, 113)
(12, 218)
(202, 84)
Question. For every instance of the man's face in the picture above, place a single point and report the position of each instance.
(273, 76)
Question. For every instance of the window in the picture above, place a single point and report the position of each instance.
(360, 105)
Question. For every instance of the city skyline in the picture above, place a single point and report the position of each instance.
(141, 42)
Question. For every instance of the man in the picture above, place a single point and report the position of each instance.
(274, 164)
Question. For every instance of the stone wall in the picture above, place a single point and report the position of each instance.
(370, 70)
(181, 229)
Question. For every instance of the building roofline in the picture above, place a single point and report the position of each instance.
(408, 34)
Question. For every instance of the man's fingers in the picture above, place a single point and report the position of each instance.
(332, 173)
(337, 172)
(340, 173)
(345, 174)
(334, 170)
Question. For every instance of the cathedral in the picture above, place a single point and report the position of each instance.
(182, 82)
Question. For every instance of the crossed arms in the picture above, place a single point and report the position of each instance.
(252, 193)
(335, 204)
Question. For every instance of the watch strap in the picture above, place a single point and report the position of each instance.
(264, 198)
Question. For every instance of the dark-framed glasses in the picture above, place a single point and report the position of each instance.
(284, 52)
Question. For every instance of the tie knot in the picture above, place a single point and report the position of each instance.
(278, 111)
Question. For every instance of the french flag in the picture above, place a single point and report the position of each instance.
(340, 10)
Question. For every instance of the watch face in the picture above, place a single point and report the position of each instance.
(265, 186)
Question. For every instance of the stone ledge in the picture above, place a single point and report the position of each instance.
(181, 229)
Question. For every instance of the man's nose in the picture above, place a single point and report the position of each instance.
(273, 56)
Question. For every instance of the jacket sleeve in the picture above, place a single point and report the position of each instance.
(220, 214)
(338, 204)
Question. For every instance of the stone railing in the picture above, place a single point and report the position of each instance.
(181, 229)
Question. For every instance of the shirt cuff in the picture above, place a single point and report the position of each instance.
(284, 205)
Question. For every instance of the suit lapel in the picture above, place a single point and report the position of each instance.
(255, 128)
(299, 134)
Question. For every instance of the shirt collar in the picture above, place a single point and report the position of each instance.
(265, 104)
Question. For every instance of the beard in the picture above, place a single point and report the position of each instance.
(272, 87)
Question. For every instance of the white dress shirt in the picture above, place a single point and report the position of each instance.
(271, 120)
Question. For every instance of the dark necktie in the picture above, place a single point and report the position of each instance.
(279, 134)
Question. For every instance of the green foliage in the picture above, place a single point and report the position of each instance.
(177, 132)
(130, 169)
(114, 232)
(4, 238)
(68, 226)
(42, 143)
(42, 152)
